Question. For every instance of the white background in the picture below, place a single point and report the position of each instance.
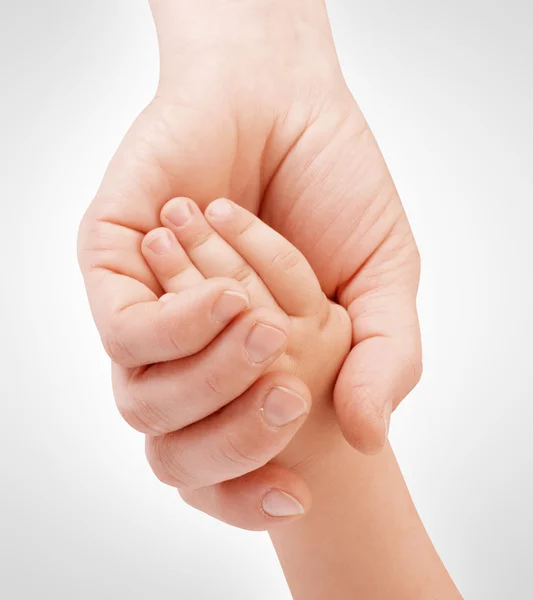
(447, 89)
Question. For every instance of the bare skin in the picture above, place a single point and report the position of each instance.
(252, 105)
(363, 538)
(222, 436)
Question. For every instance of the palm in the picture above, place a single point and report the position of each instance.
(315, 174)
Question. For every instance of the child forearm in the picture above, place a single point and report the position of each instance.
(363, 538)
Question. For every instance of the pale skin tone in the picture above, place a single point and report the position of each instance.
(313, 336)
(363, 538)
(252, 423)
(252, 105)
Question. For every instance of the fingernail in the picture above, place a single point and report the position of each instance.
(161, 243)
(387, 412)
(263, 342)
(179, 212)
(282, 406)
(220, 209)
(279, 504)
(229, 305)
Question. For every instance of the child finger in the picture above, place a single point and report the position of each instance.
(212, 256)
(151, 331)
(285, 271)
(169, 261)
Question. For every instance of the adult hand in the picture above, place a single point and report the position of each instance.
(252, 105)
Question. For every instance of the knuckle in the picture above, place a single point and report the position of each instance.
(246, 223)
(175, 335)
(286, 260)
(202, 238)
(175, 271)
(192, 498)
(141, 414)
(214, 382)
(163, 455)
(241, 273)
(239, 453)
(116, 348)
(175, 340)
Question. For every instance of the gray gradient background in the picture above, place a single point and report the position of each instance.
(447, 89)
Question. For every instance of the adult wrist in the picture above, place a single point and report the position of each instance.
(184, 23)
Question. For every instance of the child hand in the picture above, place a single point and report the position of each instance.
(231, 242)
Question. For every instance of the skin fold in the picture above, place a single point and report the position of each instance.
(277, 277)
(363, 539)
(252, 105)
